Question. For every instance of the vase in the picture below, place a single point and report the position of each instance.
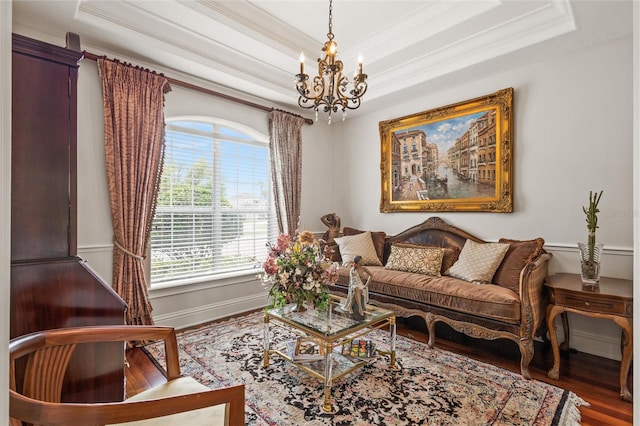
(590, 263)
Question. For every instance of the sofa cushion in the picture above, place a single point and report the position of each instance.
(478, 261)
(449, 258)
(488, 301)
(519, 254)
(421, 260)
(358, 245)
(378, 238)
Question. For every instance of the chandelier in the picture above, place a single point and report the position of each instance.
(330, 91)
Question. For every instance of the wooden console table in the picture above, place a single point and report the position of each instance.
(612, 299)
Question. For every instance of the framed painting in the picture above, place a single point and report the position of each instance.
(452, 158)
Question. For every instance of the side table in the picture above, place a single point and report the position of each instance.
(612, 299)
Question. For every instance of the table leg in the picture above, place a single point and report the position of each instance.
(328, 377)
(265, 353)
(565, 346)
(627, 354)
(392, 346)
(552, 313)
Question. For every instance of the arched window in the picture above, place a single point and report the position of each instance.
(215, 212)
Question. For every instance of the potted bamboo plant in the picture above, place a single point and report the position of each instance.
(591, 251)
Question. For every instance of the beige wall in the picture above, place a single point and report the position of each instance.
(573, 123)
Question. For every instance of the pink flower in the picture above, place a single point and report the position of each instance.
(283, 243)
(270, 267)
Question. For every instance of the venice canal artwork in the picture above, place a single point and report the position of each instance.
(447, 159)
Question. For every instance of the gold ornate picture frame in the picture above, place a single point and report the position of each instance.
(453, 158)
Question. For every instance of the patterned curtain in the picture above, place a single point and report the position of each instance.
(133, 101)
(286, 167)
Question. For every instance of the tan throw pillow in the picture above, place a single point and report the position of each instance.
(519, 254)
(378, 238)
(358, 245)
(450, 254)
(421, 260)
(478, 261)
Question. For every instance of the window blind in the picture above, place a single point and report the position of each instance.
(215, 212)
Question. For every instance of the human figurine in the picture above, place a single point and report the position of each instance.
(358, 295)
(332, 221)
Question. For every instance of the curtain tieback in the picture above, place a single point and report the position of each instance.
(125, 251)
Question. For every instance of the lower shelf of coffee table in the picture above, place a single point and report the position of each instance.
(342, 364)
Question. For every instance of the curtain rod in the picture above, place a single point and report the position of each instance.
(173, 81)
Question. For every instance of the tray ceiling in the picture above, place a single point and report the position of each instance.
(253, 45)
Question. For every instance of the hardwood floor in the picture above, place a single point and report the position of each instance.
(593, 378)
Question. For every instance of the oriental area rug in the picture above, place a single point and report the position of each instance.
(432, 386)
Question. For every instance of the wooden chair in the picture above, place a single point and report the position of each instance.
(179, 401)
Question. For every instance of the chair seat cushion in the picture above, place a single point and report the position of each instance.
(181, 386)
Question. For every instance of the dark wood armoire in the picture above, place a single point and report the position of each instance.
(51, 287)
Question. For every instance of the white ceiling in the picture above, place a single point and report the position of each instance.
(253, 45)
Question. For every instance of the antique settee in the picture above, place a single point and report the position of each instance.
(508, 301)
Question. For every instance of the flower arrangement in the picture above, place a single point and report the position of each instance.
(297, 271)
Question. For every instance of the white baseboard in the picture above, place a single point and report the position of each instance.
(594, 344)
(206, 313)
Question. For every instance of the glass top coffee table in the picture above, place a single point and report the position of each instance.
(332, 329)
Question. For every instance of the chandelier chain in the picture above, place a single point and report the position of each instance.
(330, 35)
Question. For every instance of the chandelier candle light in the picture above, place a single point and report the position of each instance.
(329, 90)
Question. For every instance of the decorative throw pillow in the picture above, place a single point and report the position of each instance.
(421, 260)
(450, 254)
(519, 254)
(358, 245)
(377, 237)
(478, 261)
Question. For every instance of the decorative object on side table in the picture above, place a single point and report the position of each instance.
(298, 272)
(591, 251)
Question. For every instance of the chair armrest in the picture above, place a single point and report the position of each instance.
(533, 299)
(23, 345)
